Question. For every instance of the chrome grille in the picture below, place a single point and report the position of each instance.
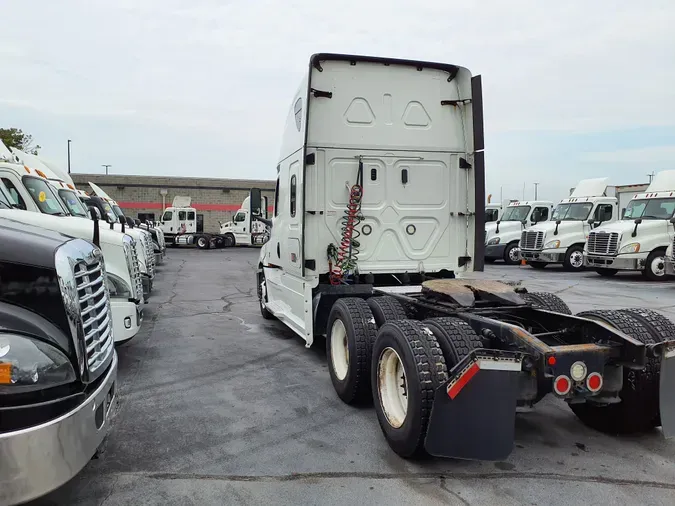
(603, 243)
(532, 240)
(149, 254)
(135, 271)
(95, 313)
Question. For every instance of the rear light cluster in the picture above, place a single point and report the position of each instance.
(578, 372)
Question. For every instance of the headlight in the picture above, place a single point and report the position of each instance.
(552, 244)
(494, 240)
(117, 286)
(27, 365)
(633, 247)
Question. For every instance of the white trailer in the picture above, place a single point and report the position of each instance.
(378, 210)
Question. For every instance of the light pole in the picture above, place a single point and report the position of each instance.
(107, 166)
(535, 190)
(69, 141)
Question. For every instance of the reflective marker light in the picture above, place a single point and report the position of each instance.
(562, 385)
(551, 360)
(578, 371)
(127, 322)
(594, 382)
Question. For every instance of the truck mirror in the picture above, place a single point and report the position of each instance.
(591, 221)
(94, 213)
(536, 217)
(638, 221)
(255, 201)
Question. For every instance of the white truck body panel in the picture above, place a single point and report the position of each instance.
(418, 205)
(591, 187)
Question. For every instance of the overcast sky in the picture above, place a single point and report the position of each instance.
(201, 87)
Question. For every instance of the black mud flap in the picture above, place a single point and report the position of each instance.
(667, 390)
(474, 412)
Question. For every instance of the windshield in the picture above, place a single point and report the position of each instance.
(650, 209)
(572, 212)
(108, 211)
(491, 214)
(116, 209)
(4, 200)
(44, 197)
(73, 203)
(516, 213)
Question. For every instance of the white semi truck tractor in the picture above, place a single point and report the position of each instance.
(638, 241)
(561, 239)
(248, 227)
(378, 216)
(502, 237)
(32, 200)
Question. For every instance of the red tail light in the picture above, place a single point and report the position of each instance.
(562, 385)
(594, 382)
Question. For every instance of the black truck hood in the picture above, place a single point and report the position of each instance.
(29, 245)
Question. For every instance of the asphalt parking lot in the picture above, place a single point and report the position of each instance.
(219, 406)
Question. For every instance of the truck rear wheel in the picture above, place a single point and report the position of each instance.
(638, 410)
(349, 344)
(407, 368)
(547, 301)
(606, 273)
(537, 265)
(455, 337)
(386, 308)
(203, 242)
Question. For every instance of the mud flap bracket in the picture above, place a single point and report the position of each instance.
(473, 415)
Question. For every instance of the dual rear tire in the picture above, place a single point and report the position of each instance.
(375, 353)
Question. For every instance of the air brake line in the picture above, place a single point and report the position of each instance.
(346, 255)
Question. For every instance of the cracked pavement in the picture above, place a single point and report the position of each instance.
(219, 406)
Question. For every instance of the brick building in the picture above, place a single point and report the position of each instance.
(145, 197)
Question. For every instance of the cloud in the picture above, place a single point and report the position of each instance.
(217, 76)
(660, 155)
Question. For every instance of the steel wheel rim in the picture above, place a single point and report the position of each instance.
(392, 387)
(201, 241)
(658, 266)
(577, 259)
(514, 254)
(339, 349)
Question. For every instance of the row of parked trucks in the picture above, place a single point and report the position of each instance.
(605, 228)
(74, 275)
(378, 219)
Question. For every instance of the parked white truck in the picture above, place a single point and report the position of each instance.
(502, 237)
(379, 206)
(248, 227)
(30, 199)
(638, 241)
(561, 240)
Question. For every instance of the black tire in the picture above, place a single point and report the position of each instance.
(263, 310)
(203, 242)
(424, 369)
(650, 272)
(490, 260)
(509, 254)
(360, 331)
(547, 301)
(219, 242)
(638, 410)
(537, 265)
(606, 273)
(386, 308)
(455, 337)
(229, 241)
(574, 258)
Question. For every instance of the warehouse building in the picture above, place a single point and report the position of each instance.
(146, 197)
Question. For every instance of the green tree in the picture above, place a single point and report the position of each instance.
(16, 138)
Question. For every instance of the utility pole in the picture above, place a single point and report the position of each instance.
(501, 194)
(69, 141)
(107, 166)
(535, 190)
(523, 190)
(651, 176)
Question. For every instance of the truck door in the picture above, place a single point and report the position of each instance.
(240, 227)
(167, 224)
(17, 191)
(191, 222)
(293, 257)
